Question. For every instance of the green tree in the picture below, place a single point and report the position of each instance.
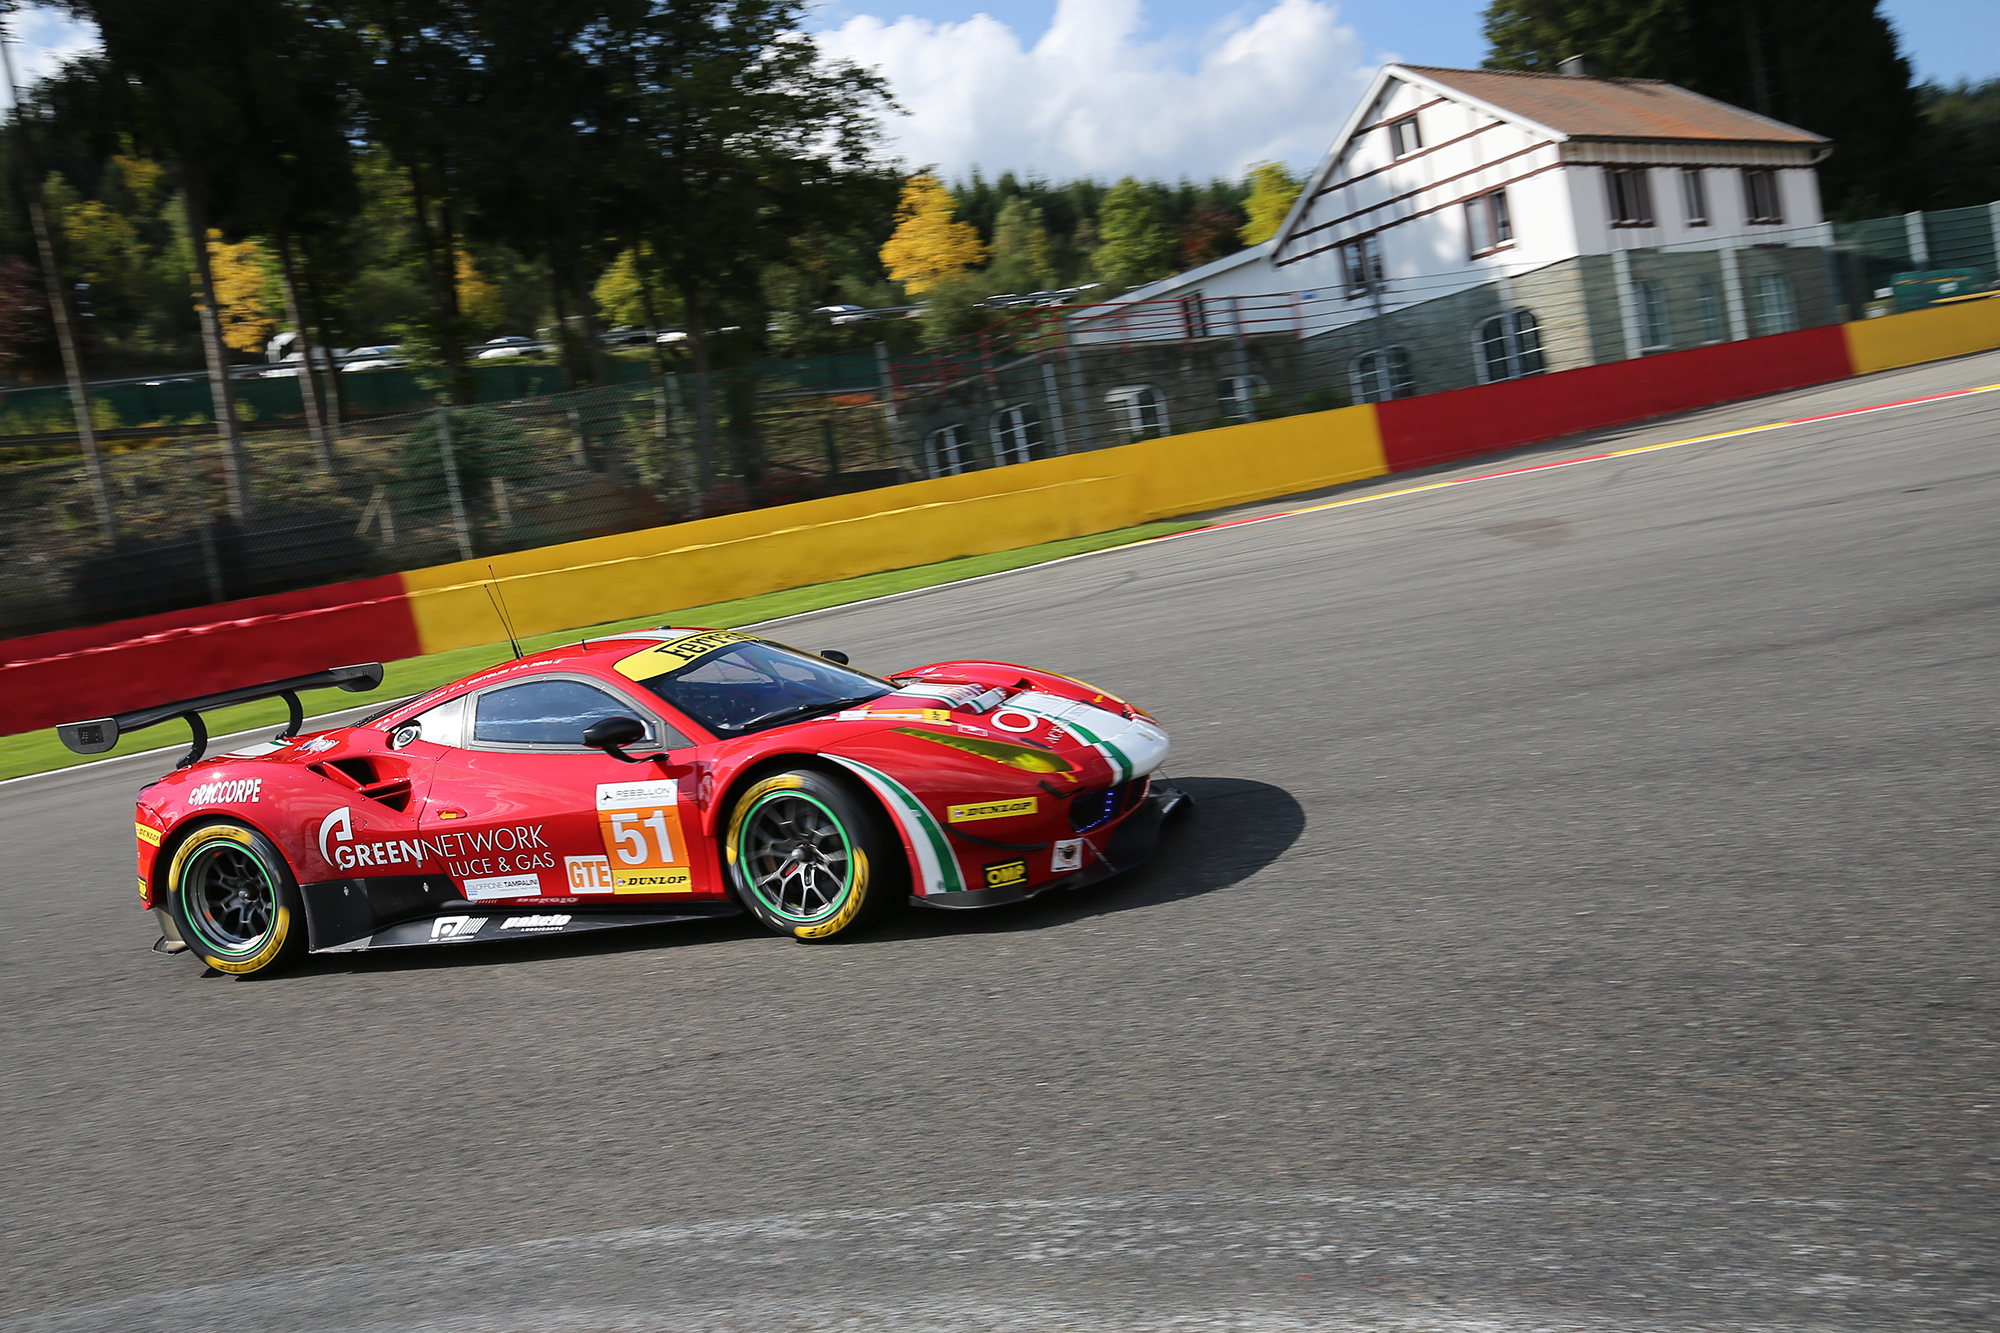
(1961, 152)
(1024, 258)
(1137, 243)
(1272, 190)
(1829, 66)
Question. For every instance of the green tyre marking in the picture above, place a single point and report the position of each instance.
(740, 855)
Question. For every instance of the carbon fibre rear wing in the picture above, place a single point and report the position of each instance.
(99, 734)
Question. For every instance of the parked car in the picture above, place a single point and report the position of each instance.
(511, 345)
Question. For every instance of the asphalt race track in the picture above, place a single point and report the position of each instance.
(1588, 924)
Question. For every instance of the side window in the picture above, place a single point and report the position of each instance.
(1378, 376)
(544, 712)
(1655, 335)
(1236, 395)
(1631, 192)
(1771, 308)
(1509, 346)
(1017, 433)
(1403, 136)
(1760, 197)
(1139, 410)
(948, 451)
(1708, 310)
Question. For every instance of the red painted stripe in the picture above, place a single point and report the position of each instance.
(82, 673)
(1445, 427)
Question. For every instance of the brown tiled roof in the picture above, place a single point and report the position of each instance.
(1615, 108)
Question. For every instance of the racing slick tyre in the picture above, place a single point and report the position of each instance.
(810, 857)
(234, 900)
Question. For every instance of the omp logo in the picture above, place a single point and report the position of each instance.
(455, 928)
(966, 814)
(339, 827)
(224, 793)
(554, 921)
(1006, 873)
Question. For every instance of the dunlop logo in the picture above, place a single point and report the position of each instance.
(966, 814)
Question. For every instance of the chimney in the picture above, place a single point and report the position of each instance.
(1577, 67)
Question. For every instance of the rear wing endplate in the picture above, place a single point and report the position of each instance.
(99, 734)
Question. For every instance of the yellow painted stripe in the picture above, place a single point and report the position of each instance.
(739, 555)
(1923, 335)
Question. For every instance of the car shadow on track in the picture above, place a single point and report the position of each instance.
(1236, 828)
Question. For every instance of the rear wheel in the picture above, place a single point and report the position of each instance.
(810, 857)
(234, 900)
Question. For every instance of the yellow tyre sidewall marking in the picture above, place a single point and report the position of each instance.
(281, 928)
(857, 894)
(742, 810)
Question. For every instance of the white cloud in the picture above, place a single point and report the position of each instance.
(41, 40)
(1091, 98)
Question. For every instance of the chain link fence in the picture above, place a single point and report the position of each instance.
(423, 488)
(428, 487)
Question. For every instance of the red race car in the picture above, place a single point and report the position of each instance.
(652, 776)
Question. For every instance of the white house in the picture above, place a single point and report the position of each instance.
(1446, 179)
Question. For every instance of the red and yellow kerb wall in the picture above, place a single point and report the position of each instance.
(73, 674)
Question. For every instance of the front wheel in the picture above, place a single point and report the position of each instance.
(809, 857)
(234, 900)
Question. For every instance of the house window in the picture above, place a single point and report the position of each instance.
(1361, 265)
(1654, 335)
(1196, 311)
(1694, 197)
(1510, 346)
(1237, 396)
(1631, 197)
(1771, 309)
(1140, 410)
(1403, 136)
(949, 453)
(1017, 433)
(1708, 311)
(1760, 196)
(1379, 375)
(1488, 227)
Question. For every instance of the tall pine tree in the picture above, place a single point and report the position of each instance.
(1829, 66)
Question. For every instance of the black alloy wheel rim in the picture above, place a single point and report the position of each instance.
(796, 856)
(230, 899)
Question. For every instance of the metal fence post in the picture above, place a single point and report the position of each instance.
(461, 528)
(1732, 294)
(1920, 244)
(1054, 392)
(1628, 313)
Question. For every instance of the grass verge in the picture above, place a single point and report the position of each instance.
(40, 751)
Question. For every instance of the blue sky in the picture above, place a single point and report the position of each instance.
(1160, 88)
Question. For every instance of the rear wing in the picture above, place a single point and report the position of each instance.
(100, 734)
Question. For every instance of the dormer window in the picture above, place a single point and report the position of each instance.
(1403, 136)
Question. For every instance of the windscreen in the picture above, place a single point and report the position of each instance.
(748, 685)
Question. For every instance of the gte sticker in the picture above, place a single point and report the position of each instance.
(504, 886)
(1006, 874)
(643, 846)
(588, 874)
(966, 814)
(234, 791)
(455, 928)
(1067, 856)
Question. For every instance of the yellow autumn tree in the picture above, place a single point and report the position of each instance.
(240, 280)
(479, 299)
(928, 246)
(1272, 190)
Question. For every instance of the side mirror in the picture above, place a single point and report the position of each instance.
(834, 655)
(612, 734)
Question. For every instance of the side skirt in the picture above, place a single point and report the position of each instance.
(456, 928)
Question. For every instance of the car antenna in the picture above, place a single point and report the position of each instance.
(500, 609)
